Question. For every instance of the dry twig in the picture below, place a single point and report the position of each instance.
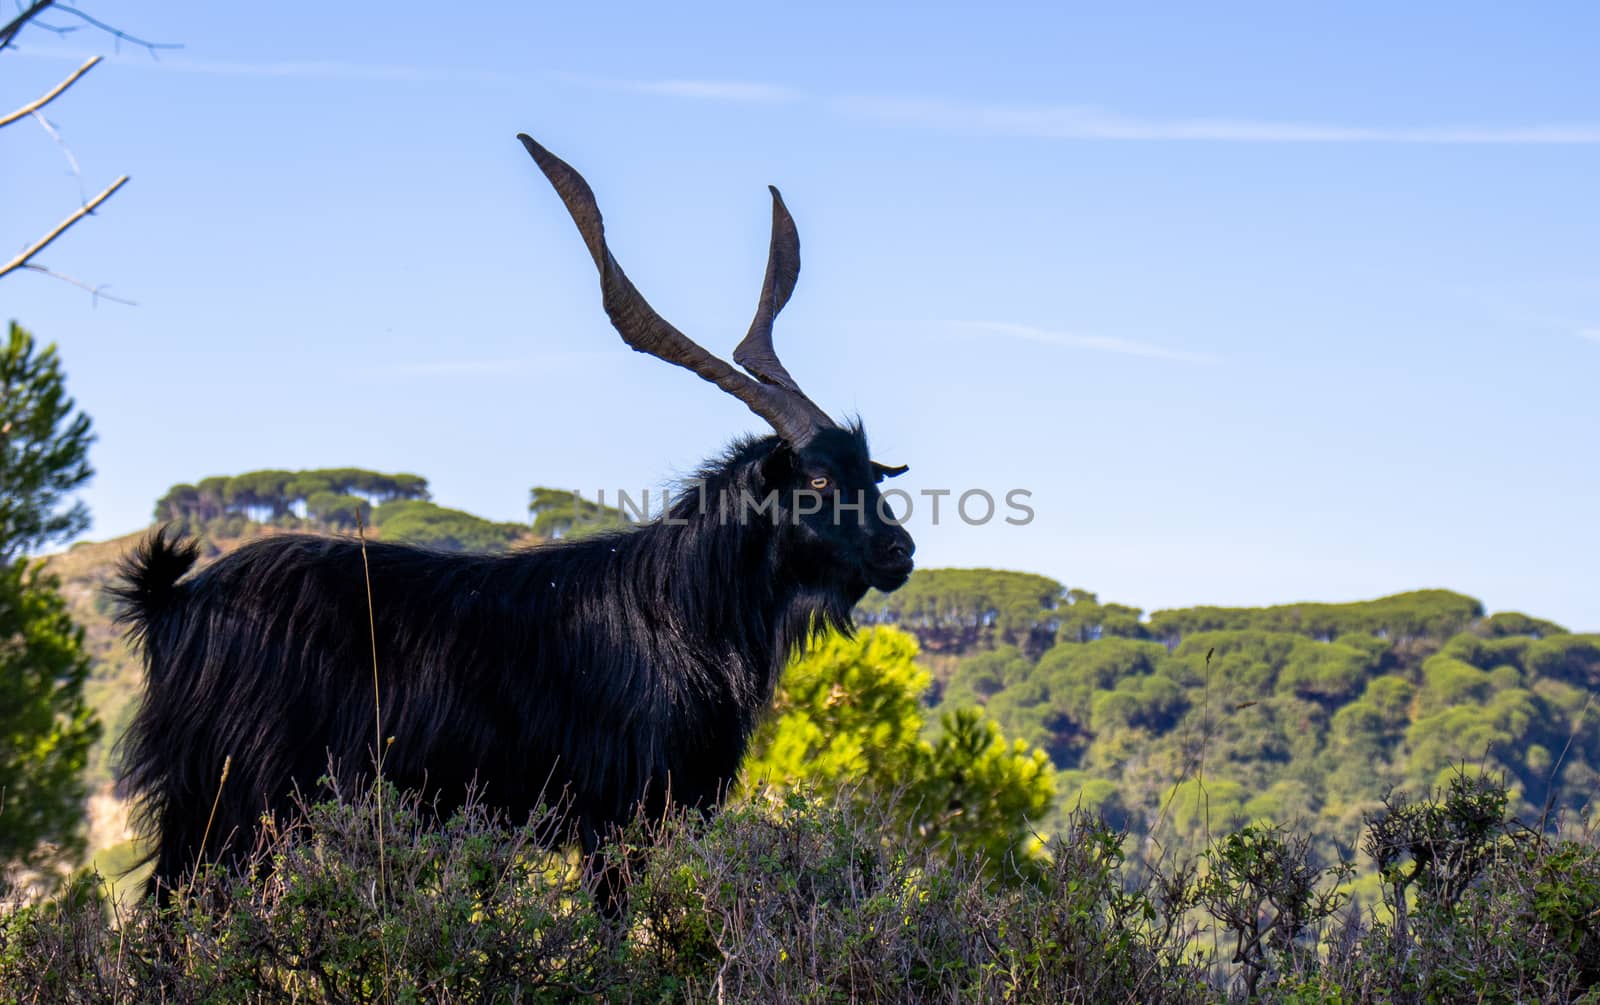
(23, 258)
(50, 95)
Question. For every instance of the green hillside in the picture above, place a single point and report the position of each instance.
(1195, 721)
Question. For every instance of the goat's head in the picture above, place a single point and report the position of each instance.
(825, 482)
(839, 529)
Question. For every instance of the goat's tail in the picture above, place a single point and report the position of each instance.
(148, 580)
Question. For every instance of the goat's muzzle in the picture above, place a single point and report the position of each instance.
(889, 564)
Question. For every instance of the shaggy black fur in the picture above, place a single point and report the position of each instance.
(598, 674)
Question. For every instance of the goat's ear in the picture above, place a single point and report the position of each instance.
(778, 467)
(882, 471)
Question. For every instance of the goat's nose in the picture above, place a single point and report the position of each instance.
(900, 549)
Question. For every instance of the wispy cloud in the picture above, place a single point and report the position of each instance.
(1043, 120)
(1592, 334)
(1082, 122)
(335, 70)
(303, 69)
(1071, 340)
(749, 92)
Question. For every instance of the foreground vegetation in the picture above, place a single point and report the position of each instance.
(790, 898)
(1000, 789)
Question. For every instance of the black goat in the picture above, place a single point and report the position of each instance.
(601, 674)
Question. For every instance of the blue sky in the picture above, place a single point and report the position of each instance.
(1269, 304)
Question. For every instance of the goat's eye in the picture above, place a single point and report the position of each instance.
(821, 482)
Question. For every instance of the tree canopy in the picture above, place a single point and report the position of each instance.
(326, 495)
(44, 449)
(1419, 614)
(46, 729)
(957, 609)
(1273, 713)
(558, 513)
(416, 521)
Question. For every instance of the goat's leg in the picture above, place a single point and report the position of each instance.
(606, 878)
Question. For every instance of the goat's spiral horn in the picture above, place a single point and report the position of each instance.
(773, 395)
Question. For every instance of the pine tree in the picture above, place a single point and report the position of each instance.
(46, 729)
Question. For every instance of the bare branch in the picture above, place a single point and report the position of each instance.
(98, 292)
(89, 207)
(13, 26)
(117, 33)
(50, 95)
(28, 12)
